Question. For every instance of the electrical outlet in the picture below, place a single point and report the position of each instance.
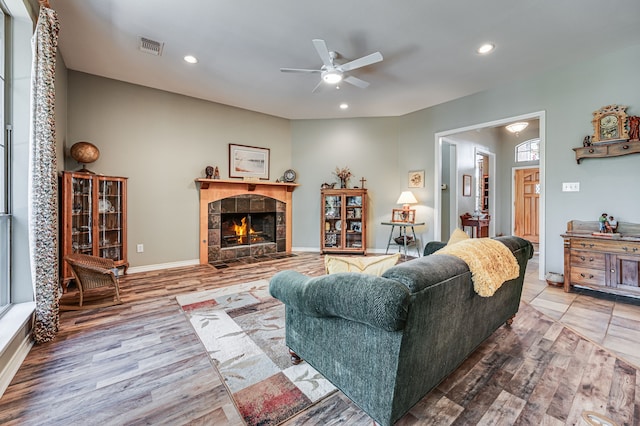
(140, 248)
(570, 186)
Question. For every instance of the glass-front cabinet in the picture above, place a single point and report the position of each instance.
(343, 217)
(94, 218)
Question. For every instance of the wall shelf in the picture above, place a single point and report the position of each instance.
(604, 150)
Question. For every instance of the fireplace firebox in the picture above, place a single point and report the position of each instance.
(240, 229)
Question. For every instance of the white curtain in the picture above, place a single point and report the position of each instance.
(43, 179)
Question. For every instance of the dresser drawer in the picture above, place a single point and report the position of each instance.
(587, 259)
(588, 276)
(613, 246)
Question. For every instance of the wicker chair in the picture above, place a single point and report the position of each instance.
(93, 272)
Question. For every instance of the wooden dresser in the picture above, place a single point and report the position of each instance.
(605, 263)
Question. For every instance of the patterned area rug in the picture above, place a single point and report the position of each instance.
(242, 329)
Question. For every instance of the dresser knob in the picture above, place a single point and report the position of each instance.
(625, 146)
(591, 151)
(613, 270)
(582, 258)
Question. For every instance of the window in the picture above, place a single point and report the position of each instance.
(528, 151)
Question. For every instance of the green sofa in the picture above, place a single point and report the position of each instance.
(387, 341)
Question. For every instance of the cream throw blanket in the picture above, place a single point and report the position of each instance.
(491, 263)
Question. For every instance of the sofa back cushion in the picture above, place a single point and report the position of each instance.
(421, 273)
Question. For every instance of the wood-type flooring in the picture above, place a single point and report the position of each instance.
(141, 363)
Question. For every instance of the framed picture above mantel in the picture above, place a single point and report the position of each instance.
(249, 162)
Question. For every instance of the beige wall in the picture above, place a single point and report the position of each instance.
(162, 141)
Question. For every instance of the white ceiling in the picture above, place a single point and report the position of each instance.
(428, 47)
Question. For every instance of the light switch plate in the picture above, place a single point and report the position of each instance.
(570, 186)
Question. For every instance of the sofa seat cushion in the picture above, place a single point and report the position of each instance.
(372, 265)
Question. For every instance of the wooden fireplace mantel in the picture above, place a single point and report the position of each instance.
(251, 185)
(217, 189)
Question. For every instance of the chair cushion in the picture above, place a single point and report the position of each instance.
(372, 265)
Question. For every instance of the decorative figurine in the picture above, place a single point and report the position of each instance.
(634, 128)
(216, 173)
(328, 185)
(602, 220)
(209, 172)
(586, 141)
(613, 224)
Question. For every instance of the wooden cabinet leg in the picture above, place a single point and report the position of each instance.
(295, 359)
(510, 320)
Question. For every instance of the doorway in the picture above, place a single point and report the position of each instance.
(503, 207)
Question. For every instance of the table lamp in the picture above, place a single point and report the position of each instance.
(407, 198)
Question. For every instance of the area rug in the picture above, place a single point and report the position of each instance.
(243, 330)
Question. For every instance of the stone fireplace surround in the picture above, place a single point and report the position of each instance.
(242, 195)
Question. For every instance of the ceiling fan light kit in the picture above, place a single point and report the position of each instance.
(332, 73)
(332, 77)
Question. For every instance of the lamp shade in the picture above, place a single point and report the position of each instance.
(407, 197)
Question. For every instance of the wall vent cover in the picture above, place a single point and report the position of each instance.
(149, 46)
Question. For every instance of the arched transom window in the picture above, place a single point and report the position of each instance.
(528, 151)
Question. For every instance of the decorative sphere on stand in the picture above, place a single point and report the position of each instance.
(84, 153)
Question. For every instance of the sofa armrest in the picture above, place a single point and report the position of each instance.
(432, 247)
(367, 299)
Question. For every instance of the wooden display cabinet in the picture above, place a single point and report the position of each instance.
(343, 221)
(93, 219)
(603, 262)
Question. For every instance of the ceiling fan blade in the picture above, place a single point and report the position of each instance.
(356, 82)
(321, 48)
(362, 62)
(299, 70)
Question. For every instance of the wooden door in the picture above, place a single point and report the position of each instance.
(527, 199)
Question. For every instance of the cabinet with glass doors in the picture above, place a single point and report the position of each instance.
(343, 221)
(94, 218)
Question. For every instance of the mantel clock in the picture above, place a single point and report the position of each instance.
(610, 124)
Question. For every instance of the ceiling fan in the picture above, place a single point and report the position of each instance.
(333, 73)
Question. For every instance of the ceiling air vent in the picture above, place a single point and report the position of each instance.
(149, 46)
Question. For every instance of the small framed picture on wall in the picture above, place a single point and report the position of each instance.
(466, 185)
(416, 179)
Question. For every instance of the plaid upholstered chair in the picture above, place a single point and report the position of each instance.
(92, 272)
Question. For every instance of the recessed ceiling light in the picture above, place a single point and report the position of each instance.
(191, 59)
(486, 48)
(344, 106)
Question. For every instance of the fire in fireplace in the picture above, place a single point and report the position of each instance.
(239, 229)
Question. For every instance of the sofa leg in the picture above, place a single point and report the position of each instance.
(510, 320)
(295, 359)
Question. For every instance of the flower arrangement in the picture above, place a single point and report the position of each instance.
(343, 174)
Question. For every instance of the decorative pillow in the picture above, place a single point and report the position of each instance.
(372, 265)
(457, 236)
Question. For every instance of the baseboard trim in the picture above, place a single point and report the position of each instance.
(158, 266)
